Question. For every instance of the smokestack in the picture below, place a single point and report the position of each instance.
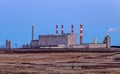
(72, 31)
(32, 32)
(56, 29)
(62, 29)
(81, 33)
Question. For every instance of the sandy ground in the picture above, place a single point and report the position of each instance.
(60, 63)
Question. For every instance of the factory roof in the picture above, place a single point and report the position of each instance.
(35, 40)
(58, 35)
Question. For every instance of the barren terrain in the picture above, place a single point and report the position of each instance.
(60, 63)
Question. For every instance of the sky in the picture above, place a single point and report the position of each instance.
(97, 17)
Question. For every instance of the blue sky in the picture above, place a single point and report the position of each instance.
(97, 16)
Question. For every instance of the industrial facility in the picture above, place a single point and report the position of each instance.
(65, 40)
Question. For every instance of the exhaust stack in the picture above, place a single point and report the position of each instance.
(62, 29)
(56, 29)
(32, 32)
(72, 31)
(81, 34)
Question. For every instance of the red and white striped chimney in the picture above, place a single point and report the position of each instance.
(57, 29)
(81, 33)
(62, 29)
(72, 31)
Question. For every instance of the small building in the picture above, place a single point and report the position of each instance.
(89, 45)
(34, 44)
(101, 45)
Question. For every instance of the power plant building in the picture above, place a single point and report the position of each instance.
(55, 40)
(65, 40)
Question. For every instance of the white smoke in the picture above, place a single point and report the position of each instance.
(111, 30)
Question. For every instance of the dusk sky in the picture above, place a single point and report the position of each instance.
(97, 16)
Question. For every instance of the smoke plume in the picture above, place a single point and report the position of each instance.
(111, 30)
